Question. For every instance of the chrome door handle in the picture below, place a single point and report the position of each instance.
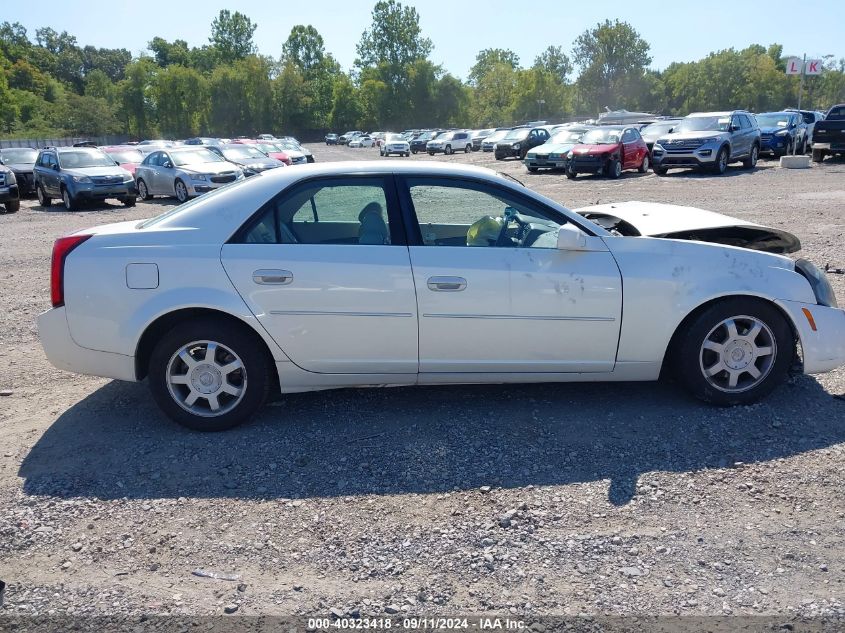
(272, 277)
(447, 284)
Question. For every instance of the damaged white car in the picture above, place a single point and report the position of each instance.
(390, 273)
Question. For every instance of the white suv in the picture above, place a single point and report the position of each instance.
(395, 144)
(450, 142)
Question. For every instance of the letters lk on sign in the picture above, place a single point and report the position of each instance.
(813, 67)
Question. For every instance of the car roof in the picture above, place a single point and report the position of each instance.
(700, 114)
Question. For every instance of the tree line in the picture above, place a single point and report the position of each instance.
(52, 86)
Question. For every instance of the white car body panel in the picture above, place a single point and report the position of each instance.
(358, 313)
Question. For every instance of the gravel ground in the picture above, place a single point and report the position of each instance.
(621, 499)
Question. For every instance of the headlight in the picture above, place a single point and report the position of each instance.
(782, 133)
(516, 145)
(81, 179)
(818, 281)
(712, 140)
(570, 154)
(198, 177)
(11, 179)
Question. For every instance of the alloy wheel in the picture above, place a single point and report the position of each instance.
(206, 378)
(737, 354)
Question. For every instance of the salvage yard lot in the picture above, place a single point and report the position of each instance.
(518, 499)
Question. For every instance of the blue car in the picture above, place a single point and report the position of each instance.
(781, 132)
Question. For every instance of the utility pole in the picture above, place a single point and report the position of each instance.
(540, 104)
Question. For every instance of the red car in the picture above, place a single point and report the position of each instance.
(609, 151)
(274, 151)
(127, 156)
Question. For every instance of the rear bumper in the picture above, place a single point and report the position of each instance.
(63, 352)
(824, 347)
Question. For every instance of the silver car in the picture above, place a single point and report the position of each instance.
(183, 172)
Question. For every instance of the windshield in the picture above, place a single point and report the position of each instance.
(194, 157)
(268, 147)
(774, 119)
(516, 135)
(497, 136)
(446, 136)
(656, 129)
(22, 155)
(568, 136)
(704, 124)
(288, 147)
(394, 137)
(602, 136)
(245, 151)
(79, 159)
(126, 155)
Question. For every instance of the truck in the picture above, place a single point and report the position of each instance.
(829, 134)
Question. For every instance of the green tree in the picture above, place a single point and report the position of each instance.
(136, 96)
(111, 61)
(182, 101)
(168, 53)
(14, 43)
(494, 95)
(346, 108)
(8, 107)
(554, 61)
(394, 37)
(490, 58)
(305, 49)
(98, 84)
(89, 116)
(610, 56)
(231, 35)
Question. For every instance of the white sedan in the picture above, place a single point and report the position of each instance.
(362, 141)
(392, 273)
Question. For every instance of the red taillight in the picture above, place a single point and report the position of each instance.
(61, 249)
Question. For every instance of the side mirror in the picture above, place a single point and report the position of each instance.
(570, 238)
(117, 163)
(733, 128)
(56, 167)
(167, 165)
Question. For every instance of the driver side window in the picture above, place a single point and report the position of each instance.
(464, 213)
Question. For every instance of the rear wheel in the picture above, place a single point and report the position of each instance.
(467, 149)
(644, 167)
(448, 150)
(43, 199)
(751, 161)
(735, 352)
(128, 201)
(208, 376)
(571, 174)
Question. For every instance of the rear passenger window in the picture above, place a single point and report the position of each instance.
(325, 213)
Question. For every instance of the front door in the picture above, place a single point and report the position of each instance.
(325, 269)
(493, 300)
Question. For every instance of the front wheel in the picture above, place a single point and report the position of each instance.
(143, 191)
(414, 152)
(660, 171)
(128, 201)
(208, 376)
(181, 191)
(12, 206)
(571, 174)
(614, 169)
(721, 165)
(735, 352)
(69, 201)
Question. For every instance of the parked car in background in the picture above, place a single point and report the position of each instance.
(478, 137)
(624, 117)
(489, 142)
(343, 139)
(295, 152)
(554, 153)
(274, 151)
(395, 144)
(811, 117)
(21, 160)
(266, 137)
(709, 140)
(517, 142)
(80, 174)
(608, 150)
(317, 278)
(419, 143)
(829, 134)
(364, 140)
(10, 196)
(203, 140)
(158, 142)
(449, 143)
(248, 157)
(654, 131)
(184, 173)
(781, 132)
(331, 138)
(127, 156)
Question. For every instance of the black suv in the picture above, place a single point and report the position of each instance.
(519, 140)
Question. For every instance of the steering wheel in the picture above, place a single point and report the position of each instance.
(511, 215)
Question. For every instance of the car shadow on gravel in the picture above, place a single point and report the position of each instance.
(115, 443)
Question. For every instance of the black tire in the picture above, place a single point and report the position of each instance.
(447, 150)
(689, 356)
(69, 201)
(128, 201)
(246, 344)
(414, 152)
(431, 153)
(532, 169)
(613, 169)
(572, 175)
(643, 168)
(12, 206)
(721, 164)
(467, 149)
(406, 155)
(818, 155)
(660, 171)
(43, 199)
(751, 161)
(143, 190)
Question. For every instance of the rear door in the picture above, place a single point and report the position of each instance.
(629, 149)
(325, 268)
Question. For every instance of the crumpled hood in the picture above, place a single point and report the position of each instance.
(553, 148)
(653, 219)
(581, 149)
